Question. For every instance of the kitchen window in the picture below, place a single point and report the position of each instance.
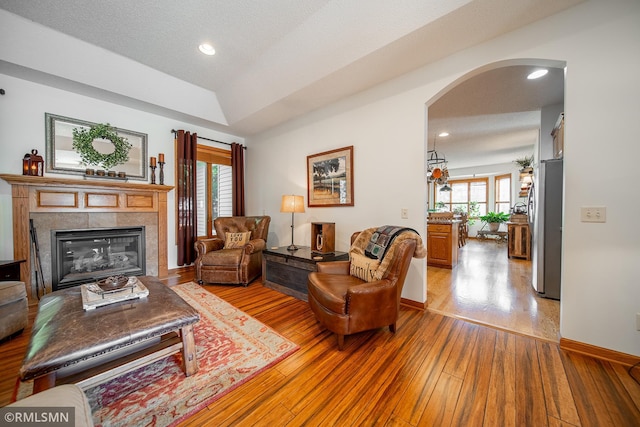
(464, 195)
(503, 193)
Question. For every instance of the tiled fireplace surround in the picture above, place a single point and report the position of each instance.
(63, 204)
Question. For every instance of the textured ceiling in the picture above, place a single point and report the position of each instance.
(279, 59)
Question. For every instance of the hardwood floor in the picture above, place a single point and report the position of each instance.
(487, 287)
(435, 370)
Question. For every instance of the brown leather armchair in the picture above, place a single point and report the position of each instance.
(240, 265)
(345, 304)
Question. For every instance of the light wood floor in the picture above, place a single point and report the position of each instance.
(489, 288)
(434, 371)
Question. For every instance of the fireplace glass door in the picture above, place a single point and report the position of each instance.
(82, 256)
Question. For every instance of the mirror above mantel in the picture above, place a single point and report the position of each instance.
(62, 158)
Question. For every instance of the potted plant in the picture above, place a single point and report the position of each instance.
(494, 219)
(525, 163)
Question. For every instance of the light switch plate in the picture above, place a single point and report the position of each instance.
(593, 214)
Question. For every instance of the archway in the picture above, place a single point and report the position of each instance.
(494, 115)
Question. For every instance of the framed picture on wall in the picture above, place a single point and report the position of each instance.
(330, 178)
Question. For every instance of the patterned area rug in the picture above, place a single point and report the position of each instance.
(232, 347)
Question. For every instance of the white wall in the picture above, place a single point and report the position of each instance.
(388, 173)
(599, 42)
(22, 128)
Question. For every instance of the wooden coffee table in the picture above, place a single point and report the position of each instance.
(71, 345)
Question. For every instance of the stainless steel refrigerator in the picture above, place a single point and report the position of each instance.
(545, 217)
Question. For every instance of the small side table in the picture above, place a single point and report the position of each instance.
(10, 270)
(287, 271)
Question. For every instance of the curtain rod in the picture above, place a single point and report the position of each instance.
(173, 131)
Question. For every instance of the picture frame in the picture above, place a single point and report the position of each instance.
(330, 178)
(62, 158)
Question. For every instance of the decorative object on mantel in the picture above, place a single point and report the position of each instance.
(152, 165)
(32, 164)
(161, 163)
(63, 157)
(84, 142)
(293, 204)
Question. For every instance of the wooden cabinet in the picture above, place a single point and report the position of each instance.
(323, 237)
(287, 271)
(10, 270)
(442, 245)
(519, 240)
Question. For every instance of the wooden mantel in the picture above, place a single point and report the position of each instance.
(48, 194)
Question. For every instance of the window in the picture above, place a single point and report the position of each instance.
(469, 195)
(213, 187)
(503, 193)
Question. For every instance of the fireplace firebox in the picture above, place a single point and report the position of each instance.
(82, 256)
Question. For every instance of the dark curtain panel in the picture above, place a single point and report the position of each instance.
(186, 147)
(237, 168)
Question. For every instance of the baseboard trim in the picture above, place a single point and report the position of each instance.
(413, 304)
(598, 352)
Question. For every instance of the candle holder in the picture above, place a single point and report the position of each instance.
(153, 174)
(161, 172)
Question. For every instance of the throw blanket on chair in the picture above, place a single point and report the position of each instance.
(371, 269)
(381, 240)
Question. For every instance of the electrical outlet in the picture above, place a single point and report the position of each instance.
(593, 214)
(638, 321)
(404, 213)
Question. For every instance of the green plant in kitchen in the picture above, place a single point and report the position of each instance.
(494, 219)
(498, 217)
(524, 162)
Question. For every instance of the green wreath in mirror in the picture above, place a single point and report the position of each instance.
(83, 144)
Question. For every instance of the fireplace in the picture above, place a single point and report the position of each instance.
(86, 255)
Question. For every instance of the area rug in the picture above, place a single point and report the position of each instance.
(232, 347)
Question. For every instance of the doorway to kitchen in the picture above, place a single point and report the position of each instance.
(494, 115)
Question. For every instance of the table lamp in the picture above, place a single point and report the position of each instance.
(293, 204)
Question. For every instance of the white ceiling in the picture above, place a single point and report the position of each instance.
(279, 59)
(493, 117)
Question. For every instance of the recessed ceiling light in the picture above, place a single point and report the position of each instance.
(537, 74)
(207, 49)
(443, 134)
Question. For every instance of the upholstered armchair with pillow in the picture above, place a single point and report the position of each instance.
(234, 256)
(364, 292)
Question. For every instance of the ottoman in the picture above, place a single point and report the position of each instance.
(14, 311)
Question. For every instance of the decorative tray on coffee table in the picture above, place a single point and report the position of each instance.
(113, 284)
(111, 290)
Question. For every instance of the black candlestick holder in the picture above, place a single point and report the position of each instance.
(153, 174)
(161, 172)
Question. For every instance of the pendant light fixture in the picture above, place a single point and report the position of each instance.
(437, 165)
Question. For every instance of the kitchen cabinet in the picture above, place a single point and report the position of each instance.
(519, 240)
(442, 244)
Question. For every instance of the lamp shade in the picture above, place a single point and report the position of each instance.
(291, 203)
